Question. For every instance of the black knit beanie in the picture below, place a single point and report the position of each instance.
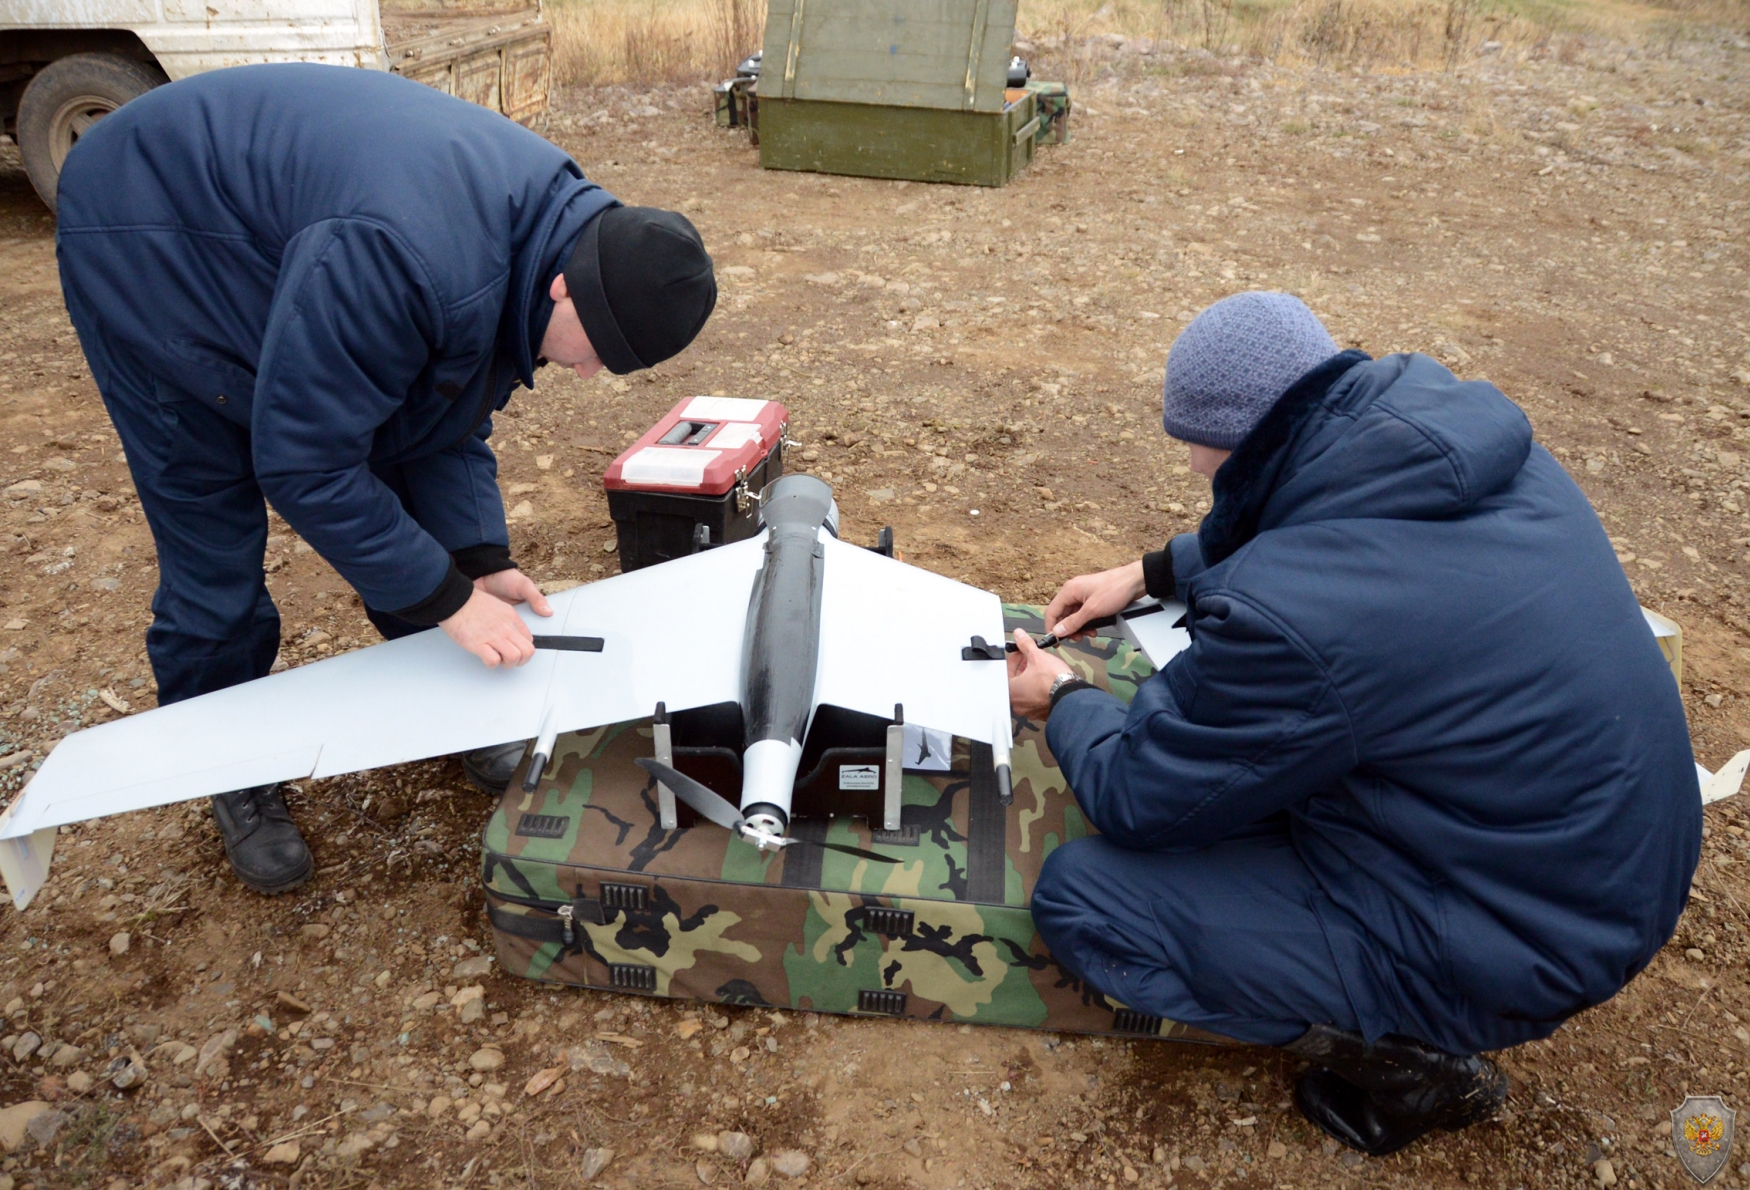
(642, 284)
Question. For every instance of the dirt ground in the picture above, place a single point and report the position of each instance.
(1571, 227)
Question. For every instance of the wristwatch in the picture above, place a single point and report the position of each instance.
(1059, 683)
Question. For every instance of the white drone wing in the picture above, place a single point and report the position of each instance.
(672, 632)
(891, 633)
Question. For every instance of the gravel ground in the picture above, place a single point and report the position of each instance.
(979, 369)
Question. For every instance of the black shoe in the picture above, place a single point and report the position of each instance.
(1378, 1098)
(491, 768)
(261, 840)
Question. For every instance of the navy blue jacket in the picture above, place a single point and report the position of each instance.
(1410, 633)
(350, 264)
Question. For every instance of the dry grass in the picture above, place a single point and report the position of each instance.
(651, 41)
(604, 41)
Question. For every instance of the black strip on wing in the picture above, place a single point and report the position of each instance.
(570, 644)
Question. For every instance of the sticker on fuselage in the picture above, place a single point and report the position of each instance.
(859, 776)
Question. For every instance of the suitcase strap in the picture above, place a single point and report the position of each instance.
(559, 928)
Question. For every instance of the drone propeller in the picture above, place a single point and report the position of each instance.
(713, 806)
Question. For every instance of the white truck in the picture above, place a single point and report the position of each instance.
(66, 63)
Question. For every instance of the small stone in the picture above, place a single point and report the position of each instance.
(487, 1058)
(25, 1046)
(284, 1153)
(705, 1142)
(688, 1028)
(67, 1055)
(541, 1080)
(14, 1119)
(1695, 954)
(354, 1144)
(737, 1146)
(1605, 1171)
(215, 1056)
(758, 1173)
(1194, 1163)
(594, 1161)
(790, 1163)
(472, 968)
(438, 1106)
(79, 1082)
(913, 1147)
(1277, 1150)
(44, 1126)
(314, 931)
(479, 1132)
(119, 943)
(125, 1073)
(707, 1173)
(1160, 1155)
(1130, 1174)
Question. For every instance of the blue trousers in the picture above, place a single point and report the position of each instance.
(1226, 938)
(214, 624)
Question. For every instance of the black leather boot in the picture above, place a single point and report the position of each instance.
(261, 840)
(491, 768)
(1378, 1098)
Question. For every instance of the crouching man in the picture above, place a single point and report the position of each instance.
(1421, 785)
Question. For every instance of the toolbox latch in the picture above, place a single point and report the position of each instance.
(745, 496)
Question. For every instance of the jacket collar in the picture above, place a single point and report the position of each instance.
(542, 258)
(1243, 485)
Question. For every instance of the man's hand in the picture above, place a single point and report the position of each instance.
(488, 627)
(1031, 672)
(1090, 596)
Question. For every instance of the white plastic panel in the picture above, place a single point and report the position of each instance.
(724, 408)
(669, 466)
(891, 633)
(417, 697)
(1155, 635)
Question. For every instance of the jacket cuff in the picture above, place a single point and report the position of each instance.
(442, 603)
(478, 561)
(1157, 575)
(1068, 688)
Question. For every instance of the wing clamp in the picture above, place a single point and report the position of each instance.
(979, 650)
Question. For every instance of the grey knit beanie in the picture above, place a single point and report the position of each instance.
(1234, 361)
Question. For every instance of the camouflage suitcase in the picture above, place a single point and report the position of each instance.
(584, 887)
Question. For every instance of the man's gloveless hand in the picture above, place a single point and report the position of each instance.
(488, 625)
(1090, 596)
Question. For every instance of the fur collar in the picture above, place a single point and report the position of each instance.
(1244, 484)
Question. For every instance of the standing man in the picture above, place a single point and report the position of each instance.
(314, 285)
(1421, 785)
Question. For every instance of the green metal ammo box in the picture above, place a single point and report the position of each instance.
(913, 89)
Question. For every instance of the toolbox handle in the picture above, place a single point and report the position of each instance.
(1030, 128)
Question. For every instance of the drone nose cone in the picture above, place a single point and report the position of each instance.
(797, 500)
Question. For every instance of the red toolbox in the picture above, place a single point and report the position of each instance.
(694, 478)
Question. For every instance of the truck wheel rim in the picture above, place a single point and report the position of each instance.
(72, 120)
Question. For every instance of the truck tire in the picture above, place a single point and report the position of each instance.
(65, 98)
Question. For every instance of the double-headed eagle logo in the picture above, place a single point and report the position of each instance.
(1701, 1135)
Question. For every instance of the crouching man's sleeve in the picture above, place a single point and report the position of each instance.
(354, 321)
(1166, 572)
(1242, 724)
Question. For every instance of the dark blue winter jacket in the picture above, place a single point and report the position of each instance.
(1410, 632)
(350, 264)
